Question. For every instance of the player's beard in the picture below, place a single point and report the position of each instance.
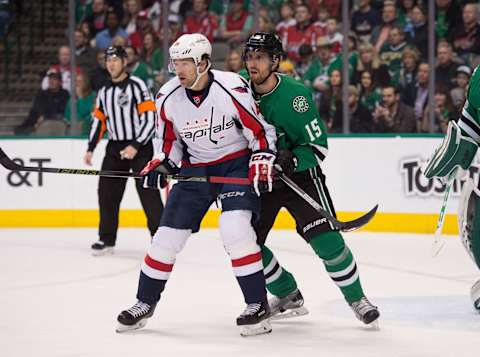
(260, 77)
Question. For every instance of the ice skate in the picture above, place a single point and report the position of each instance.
(366, 312)
(254, 320)
(288, 306)
(135, 317)
(99, 248)
(475, 295)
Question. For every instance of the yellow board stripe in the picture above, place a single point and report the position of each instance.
(382, 222)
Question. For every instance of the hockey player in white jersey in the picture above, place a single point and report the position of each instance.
(208, 121)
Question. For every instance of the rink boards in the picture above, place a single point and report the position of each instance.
(361, 171)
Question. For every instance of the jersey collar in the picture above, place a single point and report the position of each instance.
(197, 97)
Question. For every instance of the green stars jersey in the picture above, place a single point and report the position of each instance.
(290, 109)
(469, 120)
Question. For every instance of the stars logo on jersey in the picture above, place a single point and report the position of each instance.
(300, 104)
(123, 99)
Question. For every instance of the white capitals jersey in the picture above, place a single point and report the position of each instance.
(222, 124)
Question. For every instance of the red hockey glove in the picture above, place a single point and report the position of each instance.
(260, 171)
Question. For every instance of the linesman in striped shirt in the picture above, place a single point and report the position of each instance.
(126, 111)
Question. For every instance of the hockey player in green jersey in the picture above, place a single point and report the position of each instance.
(452, 159)
(302, 146)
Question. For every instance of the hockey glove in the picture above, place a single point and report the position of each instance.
(155, 173)
(285, 163)
(260, 171)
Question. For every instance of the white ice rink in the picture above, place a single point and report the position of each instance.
(58, 300)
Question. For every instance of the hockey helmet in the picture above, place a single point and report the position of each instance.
(115, 51)
(264, 41)
(194, 46)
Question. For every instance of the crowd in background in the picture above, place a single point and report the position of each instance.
(388, 67)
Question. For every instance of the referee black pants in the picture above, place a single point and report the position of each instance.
(110, 191)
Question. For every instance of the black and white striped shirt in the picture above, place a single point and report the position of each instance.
(126, 111)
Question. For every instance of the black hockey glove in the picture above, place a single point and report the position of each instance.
(155, 173)
(287, 163)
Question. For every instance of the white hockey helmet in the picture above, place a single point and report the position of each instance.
(194, 45)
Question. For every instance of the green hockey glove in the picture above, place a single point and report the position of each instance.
(456, 151)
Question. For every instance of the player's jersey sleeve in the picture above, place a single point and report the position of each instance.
(99, 122)
(259, 134)
(469, 120)
(146, 110)
(168, 142)
(301, 128)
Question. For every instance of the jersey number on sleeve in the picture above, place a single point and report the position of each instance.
(313, 129)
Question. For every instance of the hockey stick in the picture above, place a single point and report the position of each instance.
(9, 164)
(438, 241)
(342, 226)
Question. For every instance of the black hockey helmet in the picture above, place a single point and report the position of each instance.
(115, 51)
(264, 41)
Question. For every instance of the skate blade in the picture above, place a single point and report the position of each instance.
(256, 329)
(124, 328)
(287, 314)
(103, 252)
(374, 326)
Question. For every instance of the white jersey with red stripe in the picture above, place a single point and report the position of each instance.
(222, 124)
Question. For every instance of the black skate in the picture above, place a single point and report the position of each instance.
(288, 306)
(135, 317)
(366, 312)
(475, 295)
(254, 320)
(99, 248)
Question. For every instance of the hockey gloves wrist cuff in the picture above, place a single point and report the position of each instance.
(260, 171)
(156, 172)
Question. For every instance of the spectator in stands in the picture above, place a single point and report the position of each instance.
(331, 101)
(381, 32)
(446, 68)
(236, 23)
(391, 51)
(393, 116)
(364, 19)
(370, 95)
(201, 21)
(448, 14)
(84, 54)
(151, 53)
(119, 41)
(408, 71)
(286, 14)
(443, 112)
(288, 68)
(360, 117)
(303, 32)
(85, 105)
(368, 60)
(7, 16)
(174, 28)
(334, 36)
(63, 67)
(104, 38)
(99, 76)
(132, 7)
(265, 24)
(317, 73)
(234, 61)
(419, 34)
(416, 95)
(87, 29)
(459, 92)
(466, 35)
(321, 23)
(98, 19)
(48, 104)
(306, 54)
(143, 25)
(138, 68)
(404, 14)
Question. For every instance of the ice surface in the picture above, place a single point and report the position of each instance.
(58, 300)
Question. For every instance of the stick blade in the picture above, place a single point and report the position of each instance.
(360, 221)
(6, 162)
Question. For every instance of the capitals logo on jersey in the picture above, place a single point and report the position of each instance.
(205, 128)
